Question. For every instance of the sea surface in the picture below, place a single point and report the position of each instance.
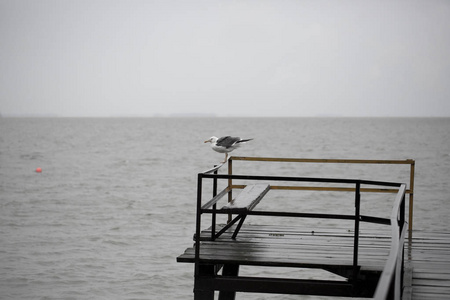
(114, 204)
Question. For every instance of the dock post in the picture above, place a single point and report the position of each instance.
(229, 270)
(201, 280)
(198, 226)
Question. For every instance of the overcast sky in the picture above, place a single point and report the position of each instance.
(228, 58)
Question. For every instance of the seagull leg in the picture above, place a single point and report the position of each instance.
(226, 157)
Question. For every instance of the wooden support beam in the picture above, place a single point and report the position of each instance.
(278, 285)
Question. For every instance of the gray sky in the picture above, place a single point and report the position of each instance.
(229, 58)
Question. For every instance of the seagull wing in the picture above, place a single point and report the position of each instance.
(227, 141)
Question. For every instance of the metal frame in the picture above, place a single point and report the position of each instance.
(390, 275)
(409, 191)
(390, 285)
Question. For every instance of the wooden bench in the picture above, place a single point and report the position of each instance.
(250, 196)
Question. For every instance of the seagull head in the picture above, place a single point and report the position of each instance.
(212, 140)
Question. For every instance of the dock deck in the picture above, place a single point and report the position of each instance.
(429, 258)
(289, 246)
(295, 247)
(375, 261)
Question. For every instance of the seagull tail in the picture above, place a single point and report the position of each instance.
(245, 140)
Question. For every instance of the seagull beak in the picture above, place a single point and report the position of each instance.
(208, 141)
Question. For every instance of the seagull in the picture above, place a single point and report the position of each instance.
(226, 144)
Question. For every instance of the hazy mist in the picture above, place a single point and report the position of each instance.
(225, 58)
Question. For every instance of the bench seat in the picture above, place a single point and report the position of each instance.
(250, 196)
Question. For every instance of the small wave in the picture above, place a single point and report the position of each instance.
(32, 156)
(115, 243)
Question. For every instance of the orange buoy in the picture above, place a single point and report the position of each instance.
(38, 170)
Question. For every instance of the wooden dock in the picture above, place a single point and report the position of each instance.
(427, 258)
(293, 247)
(376, 261)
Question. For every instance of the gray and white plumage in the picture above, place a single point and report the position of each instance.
(226, 144)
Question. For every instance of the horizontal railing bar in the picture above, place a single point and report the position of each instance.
(284, 214)
(299, 179)
(318, 160)
(322, 188)
(367, 219)
(279, 178)
(313, 188)
(376, 220)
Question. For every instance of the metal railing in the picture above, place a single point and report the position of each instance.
(391, 281)
(390, 284)
(409, 190)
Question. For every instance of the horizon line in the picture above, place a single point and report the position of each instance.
(199, 115)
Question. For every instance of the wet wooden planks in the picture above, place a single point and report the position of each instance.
(428, 255)
(289, 246)
(430, 260)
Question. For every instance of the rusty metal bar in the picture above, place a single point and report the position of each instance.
(320, 160)
(323, 188)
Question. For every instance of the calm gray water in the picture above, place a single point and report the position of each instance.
(114, 204)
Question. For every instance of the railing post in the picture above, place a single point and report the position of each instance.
(198, 225)
(402, 252)
(213, 217)
(356, 236)
(230, 183)
(411, 201)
